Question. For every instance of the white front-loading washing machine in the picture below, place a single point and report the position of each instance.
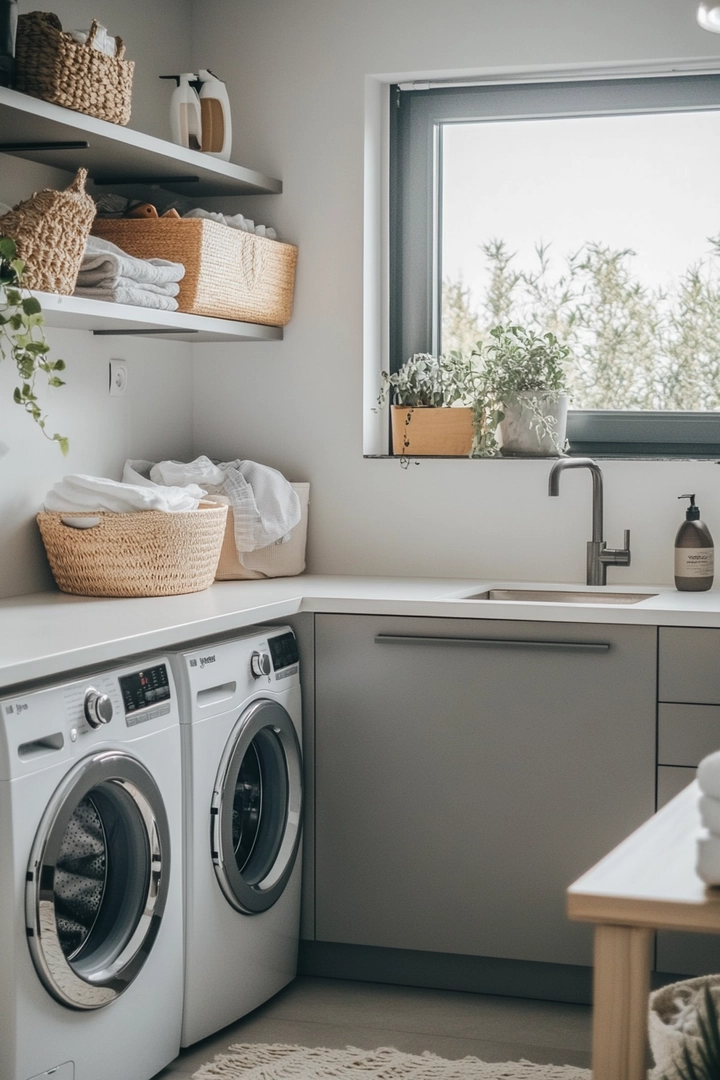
(241, 733)
(91, 933)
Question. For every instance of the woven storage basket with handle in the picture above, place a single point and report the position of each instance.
(148, 553)
(50, 64)
(50, 230)
(229, 274)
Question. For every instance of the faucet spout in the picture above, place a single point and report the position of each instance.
(597, 488)
(598, 557)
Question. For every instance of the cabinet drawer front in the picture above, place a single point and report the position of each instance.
(687, 733)
(467, 771)
(689, 667)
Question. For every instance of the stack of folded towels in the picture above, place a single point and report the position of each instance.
(708, 845)
(109, 273)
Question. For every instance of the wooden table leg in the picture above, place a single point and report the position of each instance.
(620, 1002)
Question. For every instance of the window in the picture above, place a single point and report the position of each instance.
(589, 208)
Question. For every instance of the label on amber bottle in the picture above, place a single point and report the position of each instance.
(694, 562)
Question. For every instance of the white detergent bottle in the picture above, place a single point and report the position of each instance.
(216, 123)
(185, 115)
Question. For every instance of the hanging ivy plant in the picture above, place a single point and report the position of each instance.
(22, 337)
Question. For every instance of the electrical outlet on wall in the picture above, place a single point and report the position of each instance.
(118, 377)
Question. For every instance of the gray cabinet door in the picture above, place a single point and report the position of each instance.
(467, 772)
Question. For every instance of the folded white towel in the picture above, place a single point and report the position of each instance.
(103, 260)
(710, 813)
(167, 288)
(265, 505)
(708, 775)
(137, 296)
(80, 492)
(708, 859)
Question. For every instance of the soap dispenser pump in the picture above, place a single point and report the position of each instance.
(694, 552)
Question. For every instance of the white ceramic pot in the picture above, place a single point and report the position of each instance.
(521, 434)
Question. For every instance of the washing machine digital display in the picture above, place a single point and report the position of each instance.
(145, 688)
(284, 651)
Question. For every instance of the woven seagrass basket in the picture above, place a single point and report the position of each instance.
(50, 64)
(50, 230)
(229, 274)
(147, 553)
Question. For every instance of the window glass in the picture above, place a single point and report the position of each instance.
(585, 208)
(603, 230)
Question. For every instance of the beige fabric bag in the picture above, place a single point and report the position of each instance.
(276, 560)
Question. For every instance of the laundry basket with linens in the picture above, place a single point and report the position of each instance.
(158, 532)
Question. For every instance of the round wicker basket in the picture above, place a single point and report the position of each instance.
(148, 553)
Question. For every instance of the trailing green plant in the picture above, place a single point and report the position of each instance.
(22, 338)
(516, 361)
(438, 382)
(704, 1063)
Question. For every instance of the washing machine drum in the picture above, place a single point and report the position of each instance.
(256, 808)
(97, 880)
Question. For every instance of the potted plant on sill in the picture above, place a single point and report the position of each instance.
(22, 337)
(524, 384)
(435, 409)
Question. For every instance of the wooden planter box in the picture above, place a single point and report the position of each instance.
(431, 432)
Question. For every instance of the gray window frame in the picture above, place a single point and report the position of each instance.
(415, 271)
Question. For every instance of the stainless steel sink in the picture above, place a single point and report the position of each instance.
(560, 596)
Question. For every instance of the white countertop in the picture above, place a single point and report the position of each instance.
(49, 633)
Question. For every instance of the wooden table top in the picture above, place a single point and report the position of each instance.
(649, 879)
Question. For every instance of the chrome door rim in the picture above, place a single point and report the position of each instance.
(252, 899)
(126, 779)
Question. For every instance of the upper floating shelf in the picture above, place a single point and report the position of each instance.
(117, 156)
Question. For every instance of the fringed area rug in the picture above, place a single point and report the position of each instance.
(260, 1061)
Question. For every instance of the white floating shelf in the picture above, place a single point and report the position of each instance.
(117, 157)
(101, 318)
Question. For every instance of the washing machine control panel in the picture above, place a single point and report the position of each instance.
(284, 652)
(145, 694)
(260, 664)
(97, 707)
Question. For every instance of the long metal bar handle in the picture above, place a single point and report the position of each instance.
(503, 643)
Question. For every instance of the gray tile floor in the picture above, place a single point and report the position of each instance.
(335, 1013)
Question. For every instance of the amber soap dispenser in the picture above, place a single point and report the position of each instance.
(694, 552)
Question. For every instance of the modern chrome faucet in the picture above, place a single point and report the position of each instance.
(599, 557)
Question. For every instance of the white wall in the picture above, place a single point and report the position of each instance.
(154, 418)
(296, 74)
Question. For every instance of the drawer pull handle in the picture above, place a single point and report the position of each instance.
(498, 643)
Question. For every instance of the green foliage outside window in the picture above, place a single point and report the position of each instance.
(634, 347)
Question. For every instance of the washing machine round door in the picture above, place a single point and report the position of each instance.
(97, 880)
(256, 808)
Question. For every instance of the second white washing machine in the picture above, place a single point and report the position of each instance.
(241, 734)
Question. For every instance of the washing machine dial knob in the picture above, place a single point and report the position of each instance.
(98, 708)
(260, 664)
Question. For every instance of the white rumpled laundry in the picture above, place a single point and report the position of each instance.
(77, 491)
(264, 504)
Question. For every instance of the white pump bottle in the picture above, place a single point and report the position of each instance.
(185, 116)
(216, 123)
